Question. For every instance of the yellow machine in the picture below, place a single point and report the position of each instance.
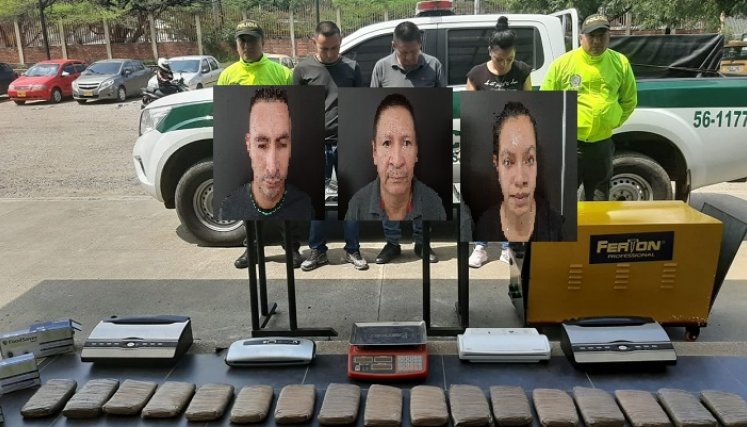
(654, 259)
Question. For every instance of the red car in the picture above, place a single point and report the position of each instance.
(47, 80)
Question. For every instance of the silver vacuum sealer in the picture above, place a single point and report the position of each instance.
(18, 373)
(597, 342)
(271, 351)
(503, 345)
(42, 339)
(138, 339)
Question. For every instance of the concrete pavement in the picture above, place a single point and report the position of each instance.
(92, 258)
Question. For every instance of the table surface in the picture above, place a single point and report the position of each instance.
(693, 374)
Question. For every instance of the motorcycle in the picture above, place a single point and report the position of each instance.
(172, 87)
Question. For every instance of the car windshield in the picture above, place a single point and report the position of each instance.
(185, 65)
(104, 68)
(735, 52)
(42, 70)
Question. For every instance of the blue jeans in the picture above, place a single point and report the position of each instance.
(504, 245)
(318, 229)
(393, 231)
(318, 235)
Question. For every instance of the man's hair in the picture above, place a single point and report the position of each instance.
(511, 110)
(327, 29)
(502, 37)
(406, 32)
(390, 101)
(268, 94)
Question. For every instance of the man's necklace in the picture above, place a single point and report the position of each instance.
(268, 212)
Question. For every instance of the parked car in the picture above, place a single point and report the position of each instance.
(7, 75)
(198, 71)
(46, 80)
(281, 59)
(111, 79)
(734, 60)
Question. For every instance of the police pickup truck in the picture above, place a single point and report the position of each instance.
(685, 133)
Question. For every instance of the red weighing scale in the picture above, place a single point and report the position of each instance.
(388, 351)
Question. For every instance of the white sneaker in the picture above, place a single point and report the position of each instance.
(505, 256)
(479, 257)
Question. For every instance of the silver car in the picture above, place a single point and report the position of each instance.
(198, 71)
(111, 79)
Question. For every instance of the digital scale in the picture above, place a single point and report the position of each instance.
(381, 351)
(138, 339)
(595, 342)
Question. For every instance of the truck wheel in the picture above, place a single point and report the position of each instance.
(194, 205)
(638, 177)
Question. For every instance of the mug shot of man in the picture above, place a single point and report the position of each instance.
(396, 194)
(269, 144)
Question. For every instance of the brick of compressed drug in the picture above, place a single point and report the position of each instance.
(598, 408)
(510, 406)
(130, 398)
(49, 399)
(554, 407)
(469, 407)
(642, 409)
(252, 404)
(383, 406)
(89, 400)
(684, 409)
(295, 404)
(170, 400)
(340, 404)
(209, 402)
(729, 408)
(428, 406)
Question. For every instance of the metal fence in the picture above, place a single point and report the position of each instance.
(181, 25)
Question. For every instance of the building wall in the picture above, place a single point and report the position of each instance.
(142, 51)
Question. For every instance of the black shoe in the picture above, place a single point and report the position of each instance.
(432, 258)
(316, 259)
(297, 259)
(241, 262)
(387, 254)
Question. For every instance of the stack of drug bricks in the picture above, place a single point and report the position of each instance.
(463, 405)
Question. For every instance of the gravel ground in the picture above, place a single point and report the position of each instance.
(68, 150)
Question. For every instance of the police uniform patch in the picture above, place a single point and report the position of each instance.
(575, 81)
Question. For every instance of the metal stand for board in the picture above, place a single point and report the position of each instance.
(259, 305)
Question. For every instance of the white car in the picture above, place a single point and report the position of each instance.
(198, 71)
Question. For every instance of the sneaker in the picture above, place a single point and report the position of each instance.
(505, 256)
(357, 260)
(479, 257)
(316, 259)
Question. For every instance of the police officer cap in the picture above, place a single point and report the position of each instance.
(595, 22)
(250, 28)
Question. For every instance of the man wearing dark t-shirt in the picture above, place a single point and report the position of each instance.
(329, 69)
(268, 143)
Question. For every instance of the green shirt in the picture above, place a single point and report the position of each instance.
(606, 90)
(263, 72)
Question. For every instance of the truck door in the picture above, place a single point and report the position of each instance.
(569, 22)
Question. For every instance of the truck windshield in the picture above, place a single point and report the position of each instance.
(735, 52)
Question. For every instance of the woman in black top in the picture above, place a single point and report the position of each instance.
(522, 213)
(502, 71)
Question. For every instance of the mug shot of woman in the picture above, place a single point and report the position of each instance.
(522, 213)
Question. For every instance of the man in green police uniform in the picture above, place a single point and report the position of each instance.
(604, 81)
(254, 69)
